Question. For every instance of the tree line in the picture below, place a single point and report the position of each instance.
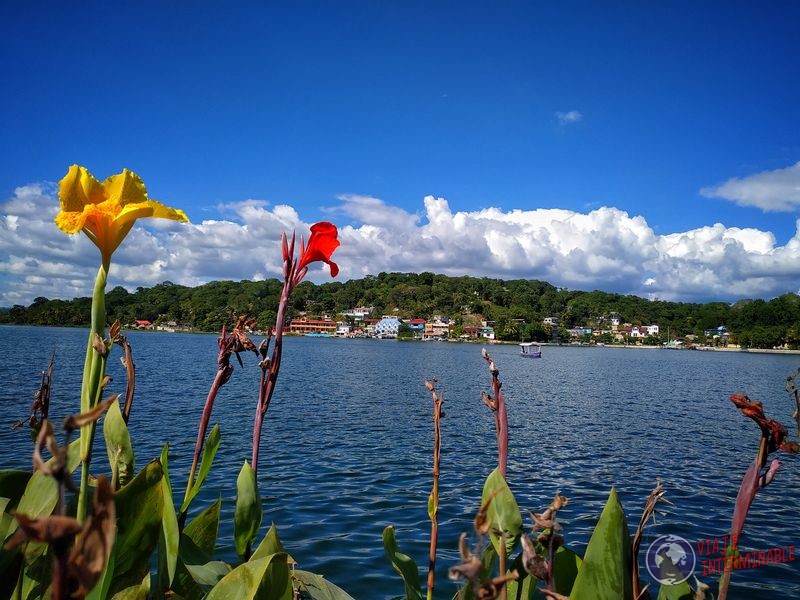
(516, 306)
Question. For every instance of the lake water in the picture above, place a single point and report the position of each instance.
(346, 448)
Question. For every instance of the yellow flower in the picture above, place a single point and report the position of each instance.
(106, 211)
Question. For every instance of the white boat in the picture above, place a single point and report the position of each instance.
(530, 350)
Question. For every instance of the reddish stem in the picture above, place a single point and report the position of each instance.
(270, 369)
(437, 445)
(223, 374)
(498, 406)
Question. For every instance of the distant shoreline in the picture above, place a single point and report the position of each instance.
(471, 341)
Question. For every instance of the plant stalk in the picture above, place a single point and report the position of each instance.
(269, 371)
(437, 414)
(219, 379)
(91, 387)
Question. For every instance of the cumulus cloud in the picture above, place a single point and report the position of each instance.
(565, 118)
(771, 191)
(605, 248)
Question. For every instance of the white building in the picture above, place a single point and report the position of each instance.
(359, 313)
(387, 327)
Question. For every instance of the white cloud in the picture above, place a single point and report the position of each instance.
(771, 191)
(565, 118)
(605, 248)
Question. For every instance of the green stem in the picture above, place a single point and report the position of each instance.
(93, 374)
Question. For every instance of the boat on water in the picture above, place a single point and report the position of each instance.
(530, 350)
(325, 335)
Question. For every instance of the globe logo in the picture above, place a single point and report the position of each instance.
(670, 560)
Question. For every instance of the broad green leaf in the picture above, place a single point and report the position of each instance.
(248, 514)
(254, 580)
(36, 573)
(209, 452)
(209, 573)
(403, 564)
(524, 588)
(135, 592)
(319, 588)
(681, 591)
(140, 505)
(605, 573)
(41, 493)
(204, 527)
(118, 445)
(170, 537)
(566, 565)
(12, 486)
(503, 512)
(269, 545)
(6, 520)
(184, 585)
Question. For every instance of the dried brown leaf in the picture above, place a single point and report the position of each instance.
(44, 529)
(73, 422)
(90, 554)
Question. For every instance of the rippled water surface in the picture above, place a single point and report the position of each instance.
(347, 442)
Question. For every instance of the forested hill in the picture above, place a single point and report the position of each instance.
(511, 304)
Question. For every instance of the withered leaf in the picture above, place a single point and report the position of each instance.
(92, 549)
(44, 529)
(73, 422)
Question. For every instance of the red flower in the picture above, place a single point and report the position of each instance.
(321, 244)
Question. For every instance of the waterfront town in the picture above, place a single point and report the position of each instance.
(361, 322)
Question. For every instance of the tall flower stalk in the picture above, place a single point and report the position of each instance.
(105, 212)
(229, 345)
(497, 403)
(321, 244)
(433, 502)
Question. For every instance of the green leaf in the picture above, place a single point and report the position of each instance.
(209, 573)
(184, 585)
(681, 591)
(254, 580)
(319, 588)
(204, 527)
(269, 545)
(248, 514)
(432, 507)
(135, 592)
(209, 452)
(36, 573)
(12, 486)
(140, 506)
(605, 573)
(403, 564)
(41, 493)
(170, 537)
(503, 512)
(118, 445)
(6, 520)
(566, 565)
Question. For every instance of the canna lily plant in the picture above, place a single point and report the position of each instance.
(105, 212)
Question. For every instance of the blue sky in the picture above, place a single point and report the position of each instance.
(635, 106)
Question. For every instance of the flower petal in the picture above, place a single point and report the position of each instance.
(79, 188)
(125, 188)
